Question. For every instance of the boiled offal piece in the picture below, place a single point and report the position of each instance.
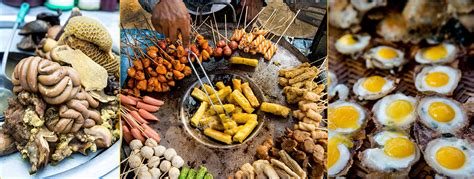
(75, 114)
(56, 84)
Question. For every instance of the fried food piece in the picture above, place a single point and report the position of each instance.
(200, 95)
(227, 122)
(199, 113)
(220, 85)
(221, 94)
(242, 101)
(245, 131)
(220, 109)
(244, 61)
(242, 118)
(236, 84)
(217, 135)
(275, 109)
(249, 94)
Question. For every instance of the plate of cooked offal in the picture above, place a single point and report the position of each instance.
(401, 89)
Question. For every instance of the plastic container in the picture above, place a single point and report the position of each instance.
(91, 5)
(60, 4)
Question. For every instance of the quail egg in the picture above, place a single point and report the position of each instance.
(350, 44)
(393, 151)
(374, 87)
(339, 154)
(442, 114)
(384, 57)
(438, 79)
(346, 117)
(452, 157)
(396, 110)
(437, 54)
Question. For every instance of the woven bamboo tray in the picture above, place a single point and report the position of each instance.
(349, 70)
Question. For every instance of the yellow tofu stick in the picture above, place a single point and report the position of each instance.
(250, 96)
(216, 124)
(275, 109)
(244, 61)
(220, 85)
(200, 95)
(221, 93)
(209, 89)
(236, 84)
(226, 138)
(207, 120)
(233, 130)
(237, 110)
(242, 118)
(199, 113)
(220, 109)
(245, 131)
(242, 101)
(227, 122)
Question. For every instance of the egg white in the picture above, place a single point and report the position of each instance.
(379, 111)
(360, 110)
(363, 41)
(454, 77)
(459, 120)
(450, 48)
(341, 163)
(467, 170)
(363, 93)
(374, 59)
(377, 159)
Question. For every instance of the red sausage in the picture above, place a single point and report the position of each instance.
(153, 101)
(145, 126)
(147, 107)
(152, 134)
(137, 134)
(138, 117)
(127, 100)
(127, 136)
(134, 98)
(147, 115)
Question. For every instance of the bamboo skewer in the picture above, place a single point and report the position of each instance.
(261, 10)
(288, 26)
(217, 27)
(225, 25)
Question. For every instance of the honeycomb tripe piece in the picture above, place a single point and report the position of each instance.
(91, 30)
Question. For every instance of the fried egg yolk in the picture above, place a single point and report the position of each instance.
(387, 53)
(348, 39)
(436, 52)
(333, 151)
(399, 109)
(374, 83)
(441, 112)
(450, 157)
(399, 147)
(437, 79)
(343, 117)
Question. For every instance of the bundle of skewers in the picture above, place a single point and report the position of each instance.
(136, 114)
(258, 39)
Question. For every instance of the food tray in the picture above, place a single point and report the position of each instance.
(189, 106)
(349, 70)
(224, 162)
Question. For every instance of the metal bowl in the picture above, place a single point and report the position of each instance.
(189, 106)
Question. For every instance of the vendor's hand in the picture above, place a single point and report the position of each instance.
(170, 17)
